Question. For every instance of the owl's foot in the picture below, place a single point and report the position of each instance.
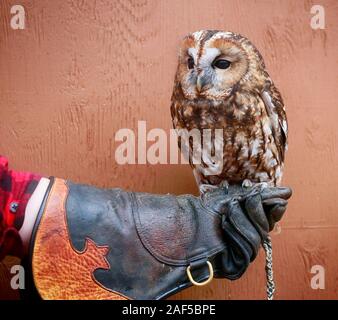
(209, 187)
(224, 184)
(204, 188)
(254, 185)
(261, 185)
(248, 184)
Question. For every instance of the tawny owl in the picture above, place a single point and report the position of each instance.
(222, 83)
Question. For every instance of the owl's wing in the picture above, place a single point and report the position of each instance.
(276, 110)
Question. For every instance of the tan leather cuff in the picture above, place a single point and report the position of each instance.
(59, 270)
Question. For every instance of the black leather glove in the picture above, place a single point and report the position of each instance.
(153, 243)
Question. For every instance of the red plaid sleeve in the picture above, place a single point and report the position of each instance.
(15, 191)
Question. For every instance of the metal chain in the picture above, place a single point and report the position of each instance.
(270, 283)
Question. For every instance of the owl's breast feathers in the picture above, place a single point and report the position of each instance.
(254, 130)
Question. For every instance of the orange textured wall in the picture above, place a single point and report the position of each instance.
(81, 70)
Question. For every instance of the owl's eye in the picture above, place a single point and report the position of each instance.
(222, 64)
(190, 63)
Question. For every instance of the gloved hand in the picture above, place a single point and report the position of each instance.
(155, 245)
(248, 214)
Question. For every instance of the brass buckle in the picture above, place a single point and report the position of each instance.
(195, 283)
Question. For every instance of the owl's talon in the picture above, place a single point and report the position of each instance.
(224, 184)
(247, 183)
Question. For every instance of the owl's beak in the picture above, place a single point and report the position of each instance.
(200, 83)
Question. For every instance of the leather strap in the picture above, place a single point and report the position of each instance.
(59, 270)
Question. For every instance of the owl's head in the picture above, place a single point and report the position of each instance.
(213, 63)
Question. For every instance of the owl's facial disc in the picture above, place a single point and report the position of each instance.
(211, 68)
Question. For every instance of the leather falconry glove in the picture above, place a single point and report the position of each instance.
(92, 243)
